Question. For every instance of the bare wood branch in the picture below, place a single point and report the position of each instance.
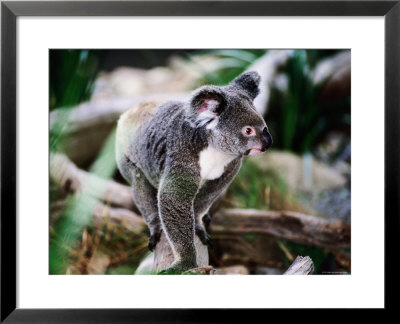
(120, 216)
(267, 66)
(99, 112)
(301, 266)
(330, 67)
(101, 213)
(69, 178)
(231, 270)
(293, 226)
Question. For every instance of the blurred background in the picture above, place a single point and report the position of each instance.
(293, 200)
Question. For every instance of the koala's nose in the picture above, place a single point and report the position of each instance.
(266, 140)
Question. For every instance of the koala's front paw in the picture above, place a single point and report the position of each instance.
(154, 238)
(203, 236)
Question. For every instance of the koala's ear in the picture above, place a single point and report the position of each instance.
(249, 82)
(207, 104)
(208, 98)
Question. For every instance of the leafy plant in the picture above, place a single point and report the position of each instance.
(298, 119)
(72, 73)
(77, 213)
(230, 63)
(251, 185)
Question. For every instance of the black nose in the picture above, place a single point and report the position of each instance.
(266, 140)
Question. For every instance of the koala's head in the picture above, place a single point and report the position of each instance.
(228, 114)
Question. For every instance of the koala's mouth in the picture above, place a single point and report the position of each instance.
(254, 151)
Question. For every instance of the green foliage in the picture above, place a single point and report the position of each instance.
(72, 73)
(67, 231)
(248, 187)
(171, 272)
(231, 63)
(299, 120)
(121, 270)
(314, 56)
(318, 255)
(250, 237)
(78, 212)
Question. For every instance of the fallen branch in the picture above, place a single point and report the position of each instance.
(101, 213)
(123, 217)
(293, 226)
(301, 266)
(69, 178)
(114, 201)
(100, 112)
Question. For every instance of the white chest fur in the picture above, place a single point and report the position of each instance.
(212, 163)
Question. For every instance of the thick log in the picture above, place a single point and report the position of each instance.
(293, 226)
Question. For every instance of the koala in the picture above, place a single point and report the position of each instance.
(180, 156)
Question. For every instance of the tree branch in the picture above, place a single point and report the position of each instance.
(69, 178)
(301, 266)
(293, 226)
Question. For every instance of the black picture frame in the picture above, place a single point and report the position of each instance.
(10, 10)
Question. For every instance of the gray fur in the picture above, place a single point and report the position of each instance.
(162, 158)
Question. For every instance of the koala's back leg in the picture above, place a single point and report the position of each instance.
(145, 196)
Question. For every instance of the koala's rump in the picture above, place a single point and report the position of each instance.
(129, 123)
(141, 137)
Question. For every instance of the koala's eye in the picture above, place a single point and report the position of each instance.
(248, 131)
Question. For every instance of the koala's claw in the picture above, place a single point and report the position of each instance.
(210, 242)
(207, 219)
(153, 240)
(204, 237)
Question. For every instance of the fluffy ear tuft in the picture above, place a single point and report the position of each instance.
(207, 104)
(249, 82)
